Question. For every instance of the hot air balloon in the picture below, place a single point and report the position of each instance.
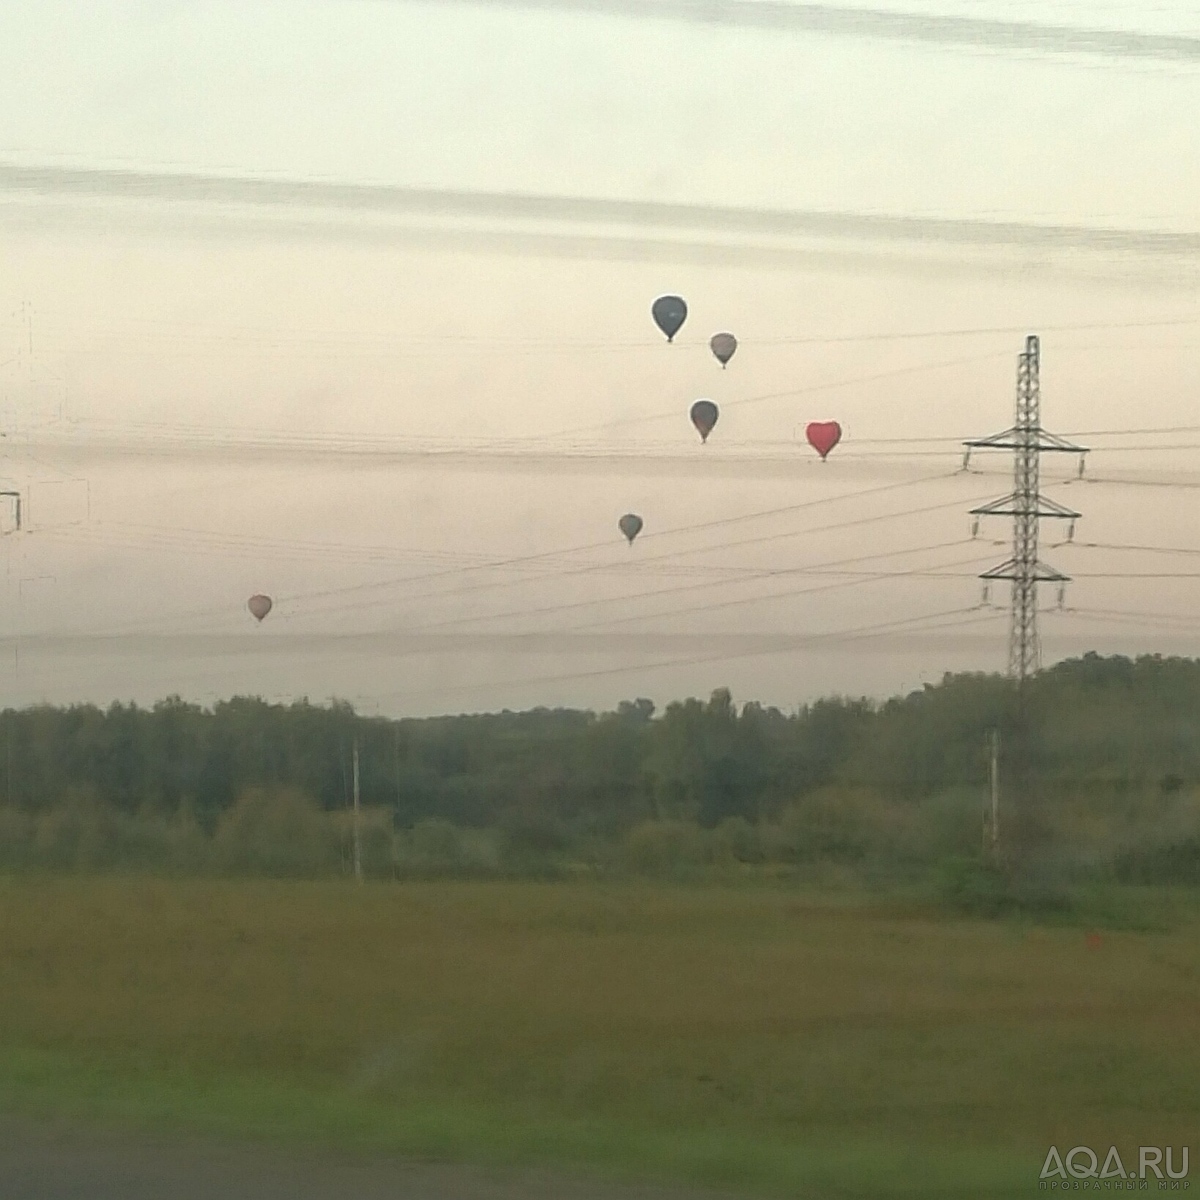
(630, 525)
(259, 606)
(823, 436)
(669, 313)
(704, 416)
(723, 346)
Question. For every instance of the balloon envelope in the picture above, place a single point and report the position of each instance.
(823, 436)
(723, 346)
(630, 525)
(704, 417)
(259, 606)
(669, 313)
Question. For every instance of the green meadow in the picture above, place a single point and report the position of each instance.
(766, 1039)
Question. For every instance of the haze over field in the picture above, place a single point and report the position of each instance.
(407, 382)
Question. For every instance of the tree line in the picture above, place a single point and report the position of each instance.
(1102, 727)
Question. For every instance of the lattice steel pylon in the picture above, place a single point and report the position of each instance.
(1026, 506)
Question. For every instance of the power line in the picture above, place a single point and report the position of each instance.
(858, 579)
(189, 541)
(816, 640)
(842, 21)
(537, 557)
(769, 573)
(586, 569)
(302, 443)
(1135, 448)
(417, 644)
(715, 573)
(163, 186)
(1096, 480)
(743, 459)
(407, 643)
(303, 340)
(1122, 615)
(1130, 432)
(139, 536)
(719, 523)
(1132, 548)
(1138, 575)
(812, 389)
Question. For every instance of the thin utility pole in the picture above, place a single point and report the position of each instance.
(358, 874)
(991, 825)
(396, 730)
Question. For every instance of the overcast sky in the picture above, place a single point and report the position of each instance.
(348, 303)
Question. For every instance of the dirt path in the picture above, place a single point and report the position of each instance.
(58, 1162)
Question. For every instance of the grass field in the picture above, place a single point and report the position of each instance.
(765, 1039)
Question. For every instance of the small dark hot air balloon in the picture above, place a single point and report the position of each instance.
(259, 606)
(630, 525)
(669, 313)
(823, 436)
(723, 346)
(704, 416)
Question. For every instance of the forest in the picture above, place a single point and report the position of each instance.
(1111, 744)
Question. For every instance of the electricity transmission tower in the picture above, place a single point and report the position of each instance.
(1025, 504)
(1028, 441)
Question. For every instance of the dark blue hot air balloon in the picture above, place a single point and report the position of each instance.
(669, 313)
(630, 525)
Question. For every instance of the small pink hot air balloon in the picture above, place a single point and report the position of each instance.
(823, 436)
(259, 606)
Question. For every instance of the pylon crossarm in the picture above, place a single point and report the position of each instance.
(1052, 508)
(1012, 506)
(997, 441)
(1052, 442)
(1006, 570)
(1031, 439)
(1044, 573)
(1038, 572)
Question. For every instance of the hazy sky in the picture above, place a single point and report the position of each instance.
(412, 408)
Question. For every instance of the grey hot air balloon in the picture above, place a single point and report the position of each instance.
(704, 417)
(630, 525)
(723, 346)
(259, 606)
(669, 313)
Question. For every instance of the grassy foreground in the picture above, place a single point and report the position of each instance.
(757, 1039)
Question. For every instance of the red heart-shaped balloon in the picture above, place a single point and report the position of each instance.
(823, 436)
